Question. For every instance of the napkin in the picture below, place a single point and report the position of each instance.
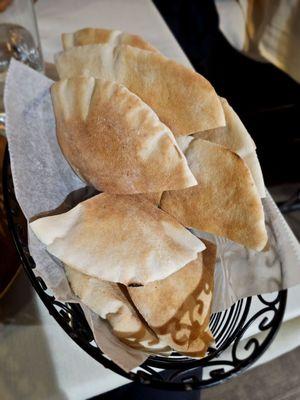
(44, 182)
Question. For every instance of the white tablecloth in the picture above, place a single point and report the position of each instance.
(38, 360)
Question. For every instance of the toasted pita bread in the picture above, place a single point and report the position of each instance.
(184, 142)
(178, 307)
(118, 238)
(108, 300)
(234, 135)
(114, 141)
(95, 36)
(253, 164)
(153, 197)
(225, 203)
(184, 100)
(250, 159)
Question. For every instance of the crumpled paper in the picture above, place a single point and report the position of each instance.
(44, 182)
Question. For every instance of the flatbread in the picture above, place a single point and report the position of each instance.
(234, 135)
(108, 300)
(184, 100)
(184, 142)
(250, 159)
(178, 307)
(225, 203)
(114, 141)
(153, 197)
(118, 238)
(86, 36)
(254, 165)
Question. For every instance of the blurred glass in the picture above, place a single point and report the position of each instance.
(19, 39)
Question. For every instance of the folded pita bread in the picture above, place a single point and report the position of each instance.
(254, 165)
(113, 37)
(153, 197)
(184, 100)
(114, 141)
(118, 238)
(178, 307)
(250, 159)
(184, 142)
(235, 137)
(108, 300)
(225, 203)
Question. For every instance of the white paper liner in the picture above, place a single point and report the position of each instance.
(44, 182)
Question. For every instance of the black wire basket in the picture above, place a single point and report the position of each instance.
(234, 350)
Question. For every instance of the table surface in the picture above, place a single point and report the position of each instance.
(38, 360)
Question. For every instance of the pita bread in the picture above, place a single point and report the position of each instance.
(108, 301)
(95, 36)
(253, 164)
(250, 159)
(114, 141)
(178, 307)
(183, 100)
(225, 202)
(153, 197)
(184, 142)
(118, 238)
(234, 135)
